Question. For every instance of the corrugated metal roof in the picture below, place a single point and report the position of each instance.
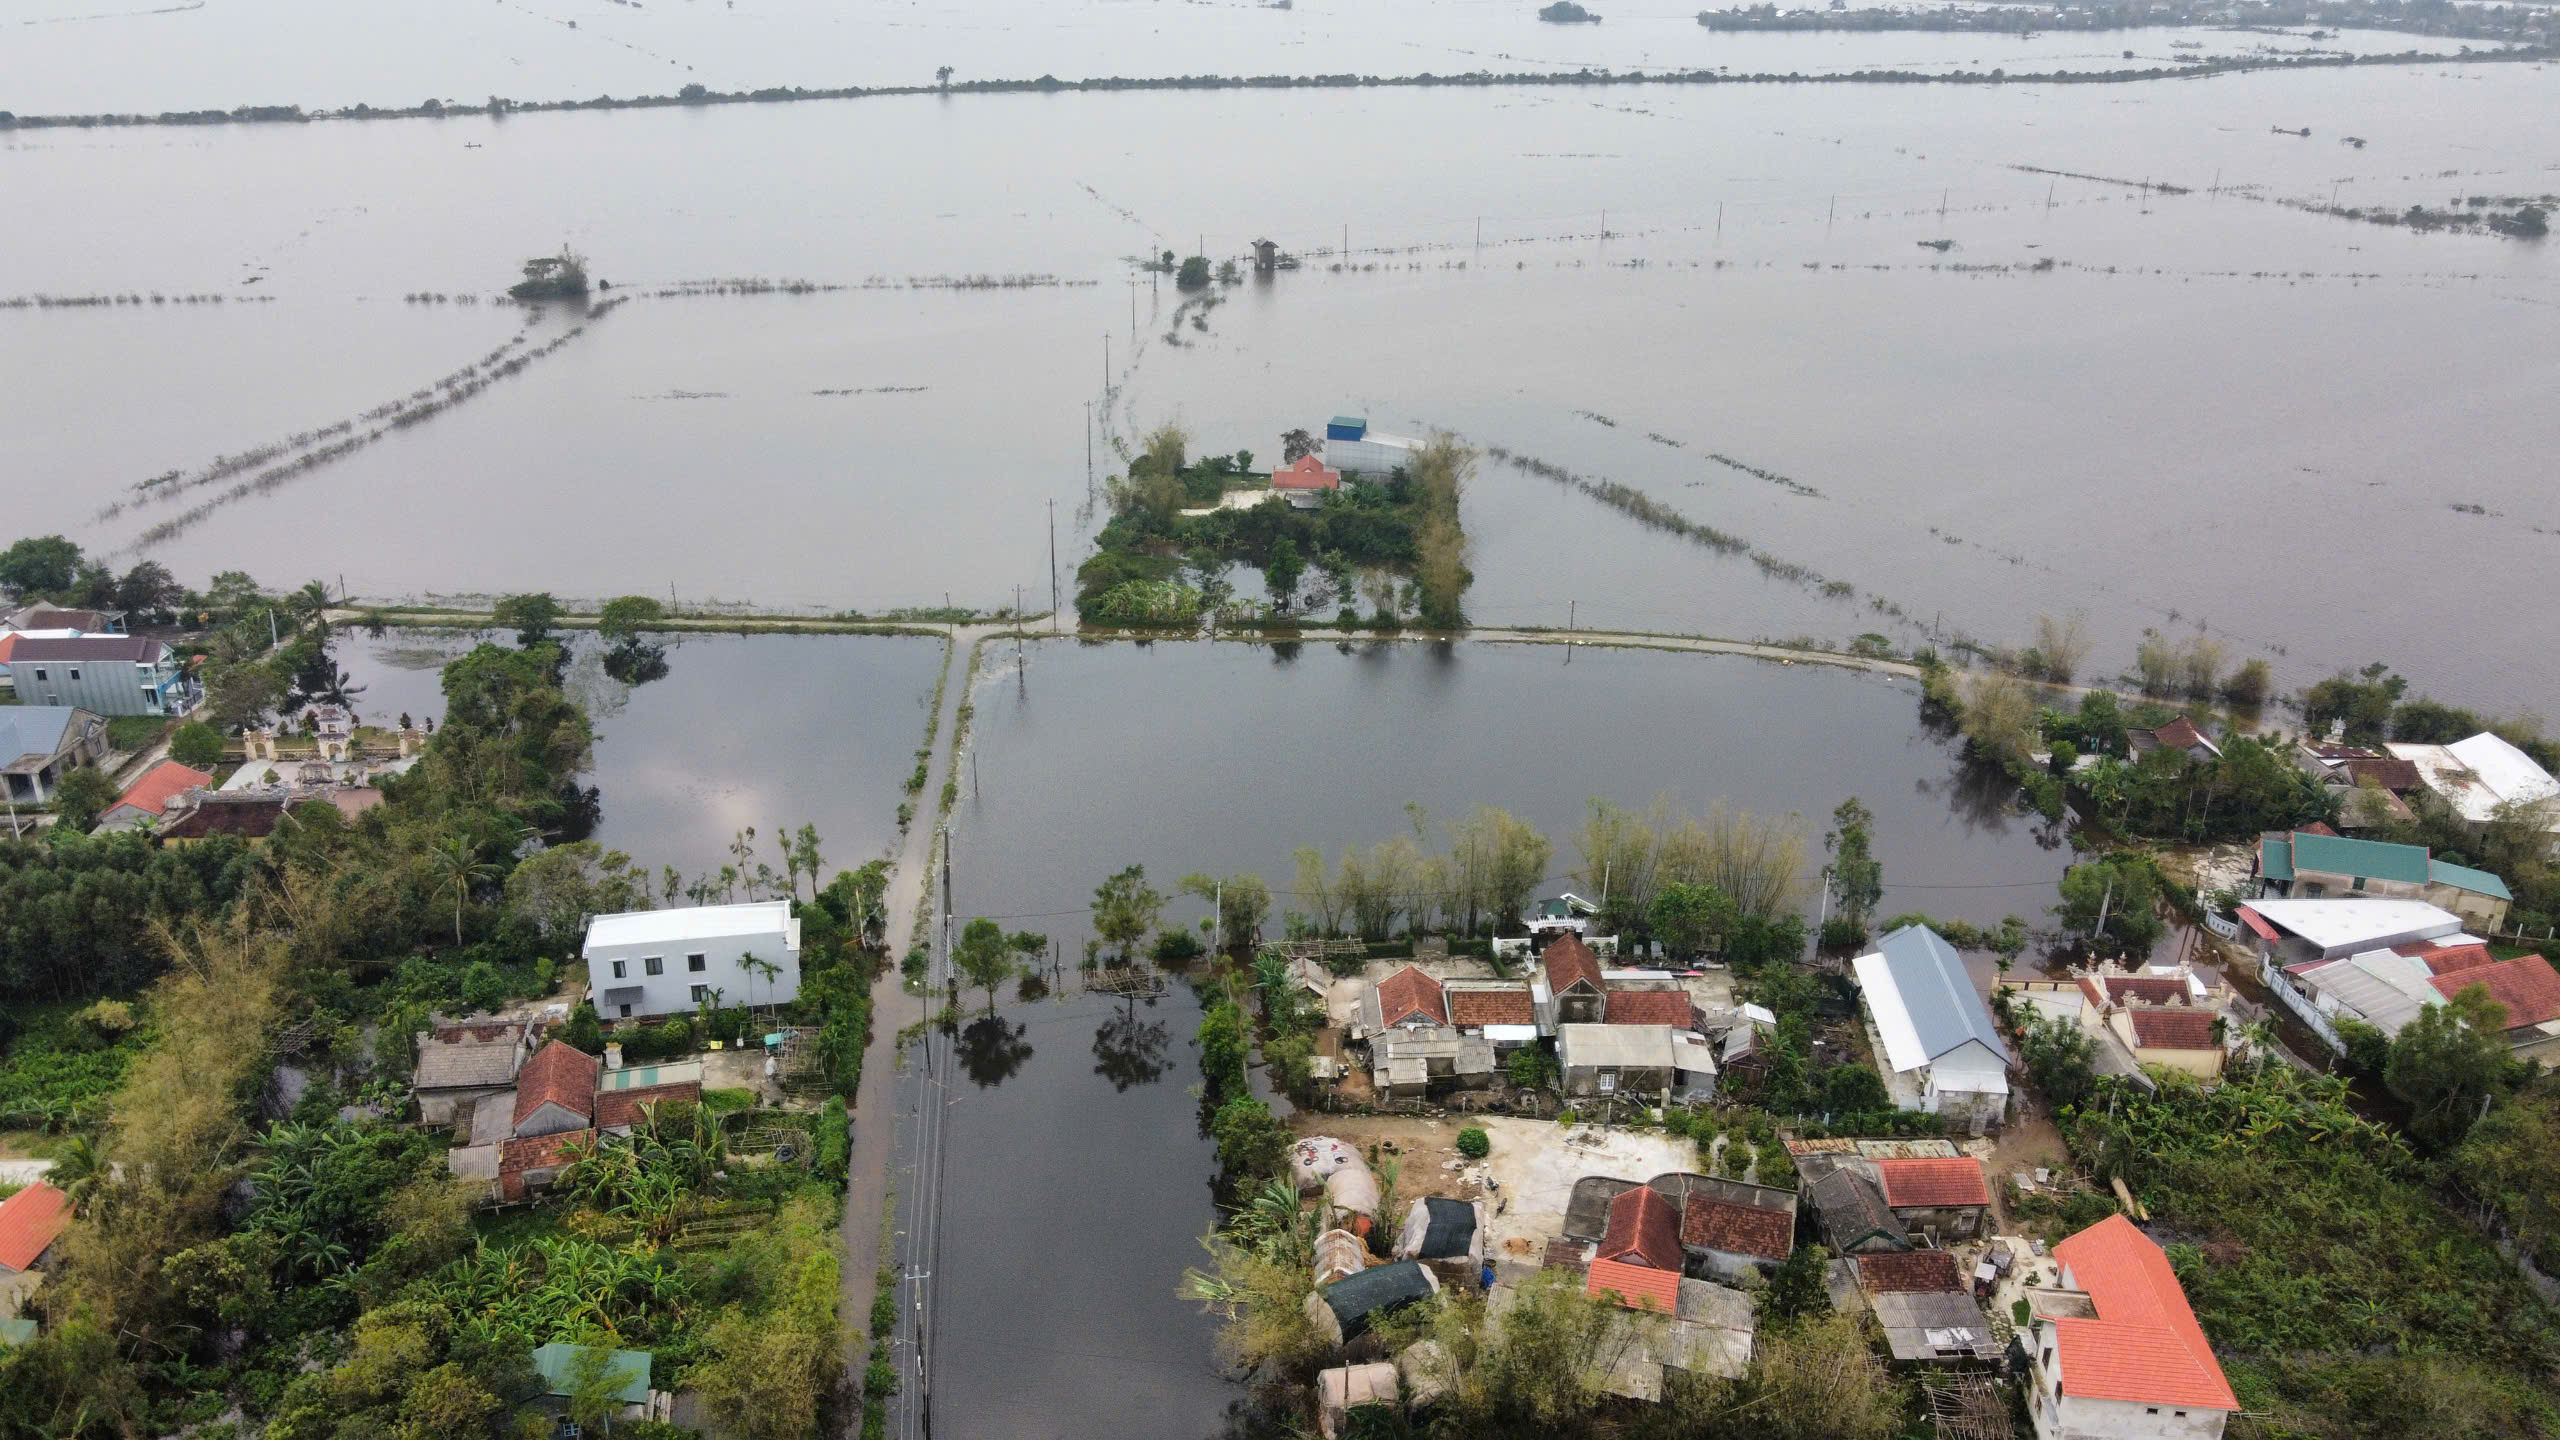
(2275, 856)
(2385, 989)
(1646, 1046)
(2341, 926)
(557, 1364)
(2463, 877)
(696, 922)
(1936, 992)
(2373, 859)
(33, 730)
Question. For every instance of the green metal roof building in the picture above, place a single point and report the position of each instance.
(628, 1370)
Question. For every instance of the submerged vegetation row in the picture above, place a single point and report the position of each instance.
(694, 95)
(314, 449)
(128, 297)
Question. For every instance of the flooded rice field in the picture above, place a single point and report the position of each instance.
(1221, 758)
(90, 56)
(770, 731)
(2022, 421)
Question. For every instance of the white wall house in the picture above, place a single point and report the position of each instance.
(1937, 1036)
(2114, 1350)
(665, 962)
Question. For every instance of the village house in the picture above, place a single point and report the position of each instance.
(534, 1162)
(2291, 932)
(108, 674)
(1878, 1195)
(1304, 482)
(1937, 1039)
(1561, 914)
(556, 1091)
(464, 1063)
(1921, 1303)
(2115, 1352)
(643, 963)
(39, 744)
(2528, 987)
(2314, 864)
(1651, 1062)
(56, 622)
(1729, 1228)
(2180, 735)
(216, 812)
(1406, 999)
(1850, 1212)
(1352, 448)
(2369, 783)
(1943, 1198)
(30, 1221)
(2486, 776)
(626, 1376)
(158, 791)
(2167, 1020)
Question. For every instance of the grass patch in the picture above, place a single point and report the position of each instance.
(721, 1102)
(59, 1075)
(134, 732)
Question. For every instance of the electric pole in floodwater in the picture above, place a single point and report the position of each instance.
(1053, 535)
(1719, 222)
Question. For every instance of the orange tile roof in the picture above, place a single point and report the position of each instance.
(1909, 1272)
(2449, 959)
(1306, 473)
(1470, 1008)
(1645, 1225)
(538, 1152)
(1638, 1287)
(1933, 1182)
(1569, 961)
(2153, 989)
(29, 1221)
(1408, 993)
(561, 1074)
(617, 1108)
(1737, 1229)
(161, 784)
(2145, 1346)
(2172, 1029)
(2526, 985)
(1649, 1007)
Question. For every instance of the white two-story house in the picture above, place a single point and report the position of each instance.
(2117, 1353)
(667, 962)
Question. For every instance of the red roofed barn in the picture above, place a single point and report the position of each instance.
(1948, 1196)
(2117, 1351)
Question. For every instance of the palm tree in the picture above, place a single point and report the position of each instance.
(759, 969)
(78, 1171)
(458, 867)
(309, 602)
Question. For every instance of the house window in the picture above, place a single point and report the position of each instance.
(40, 675)
(653, 965)
(701, 993)
(1609, 1082)
(621, 970)
(2359, 882)
(626, 1012)
(75, 672)
(150, 696)
(2150, 1409)
(695, 964)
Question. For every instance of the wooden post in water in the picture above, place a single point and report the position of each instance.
(1719, 222)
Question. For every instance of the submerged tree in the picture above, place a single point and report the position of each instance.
(552, 277)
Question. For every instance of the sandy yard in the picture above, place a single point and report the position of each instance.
(1532, 1167)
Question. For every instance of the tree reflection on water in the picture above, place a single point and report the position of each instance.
(992, 1049)
(1128, 1051)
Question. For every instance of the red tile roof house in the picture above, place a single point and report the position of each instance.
(1408, 997)
(1574, 983)
(2527, 986)
(1303, 483)
(2116, 1351)
(1727, 1239)
(30, 1221)
(1639, 1258)
(618, 1110)
(556, 1091)
(152, 796)
(1949, 1197)
(531, 1164)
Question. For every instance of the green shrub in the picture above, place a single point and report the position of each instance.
(1175, 946)
(196, 744)
(1474, 1143)
(834, 1143)
(1565, 1116)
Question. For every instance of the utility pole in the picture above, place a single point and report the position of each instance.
(1346, 239)
(2216, 192)
(1479, 234)
(1218, 910)
(1942, 204)
(1106, 368)
(1088, 483)
(2103, 902)
(1571, 609)
(1053, 536)
(1133, 312)
(2048, 193)
(1719, 222)
(1831, 214)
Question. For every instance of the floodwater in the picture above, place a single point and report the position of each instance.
(91, 56)
(1075, 1189)
(1220, 758)
(2212, 411)
(769, 731)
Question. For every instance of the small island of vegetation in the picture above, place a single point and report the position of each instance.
(1177, 528)
(552, 277)
(1565, 12)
